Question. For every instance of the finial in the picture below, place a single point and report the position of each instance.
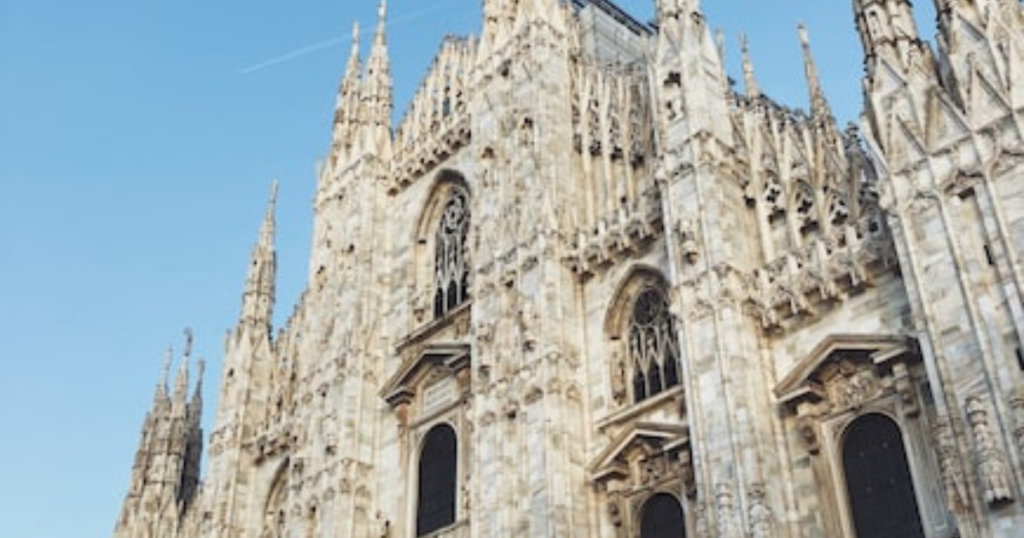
(272, 198)
(355, 35)
(201, 367)
(188, 343)
(181, 380)
(168, 357)
(801, 30)
(382, 11)
(267, 230)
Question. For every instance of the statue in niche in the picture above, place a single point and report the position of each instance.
(992, 469)
(1017, 406)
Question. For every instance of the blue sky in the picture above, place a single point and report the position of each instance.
(138, 140)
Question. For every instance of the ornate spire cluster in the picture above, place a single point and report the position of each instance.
(377, 91)
(165, 476)
(362, 120)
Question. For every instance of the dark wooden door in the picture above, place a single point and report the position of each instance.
(662, 517)
(878, 481)
(436, 500)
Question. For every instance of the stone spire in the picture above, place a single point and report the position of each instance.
(819, 105)
(167, 460)
(181, 380)
(160, 394)
(346, 111)
(258, 298)
(750, 85)
(377, 91)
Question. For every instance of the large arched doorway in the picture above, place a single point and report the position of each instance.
(435, 508)
(878, 481)
(662, 517)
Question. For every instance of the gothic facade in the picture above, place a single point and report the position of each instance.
(587, 289)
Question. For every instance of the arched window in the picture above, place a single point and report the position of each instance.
(435, 508)
(662, 517)
(451, 263)
(881, 491)
(653, 345)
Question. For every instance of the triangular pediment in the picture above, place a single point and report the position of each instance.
(651, 436)
(451, 356)
(803, 381)
(987, 100)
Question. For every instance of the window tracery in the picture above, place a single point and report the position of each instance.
(653, 346)
(451, 264)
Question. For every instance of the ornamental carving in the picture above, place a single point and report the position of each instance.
(760, 516)
(725, 511)
(851, 387)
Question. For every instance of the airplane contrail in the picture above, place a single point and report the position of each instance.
(315, 47)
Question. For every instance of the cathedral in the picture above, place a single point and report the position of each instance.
(587, 288)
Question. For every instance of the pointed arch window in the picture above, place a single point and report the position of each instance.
(435, 507)
(653, 345)
(662, 517)
(451, 263)
(878, 481)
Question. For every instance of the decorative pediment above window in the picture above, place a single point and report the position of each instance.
(436, 361)
(643, 455)
(843, 355)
